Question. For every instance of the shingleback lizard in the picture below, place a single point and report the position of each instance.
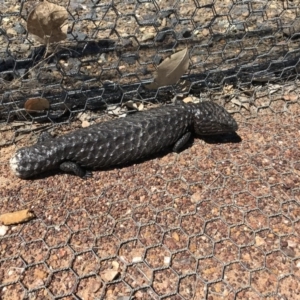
(122, 140)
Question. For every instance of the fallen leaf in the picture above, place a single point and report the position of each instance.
(17, 217)
(48, 21)
(36, 104)
(171, 69)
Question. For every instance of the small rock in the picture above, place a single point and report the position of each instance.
(291, 244)
(11, 31)
(20, 29)
(83, 117)
(167, 260)
(205, 32)
(85, 124)
(24, 47)
(137, 259)
(196, 197)
(175, 236)
(109, 275)
(115, 265)
(3, 230)
(290, 252)
(147, 37)
(259, 241)
(188, 99)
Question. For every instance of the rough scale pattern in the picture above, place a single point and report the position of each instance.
(123, 140)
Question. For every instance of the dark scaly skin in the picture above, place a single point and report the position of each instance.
(123, 140)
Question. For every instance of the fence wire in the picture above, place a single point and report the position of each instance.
(217, 221)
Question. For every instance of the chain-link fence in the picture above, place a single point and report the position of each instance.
(109, 51)
(213, 222)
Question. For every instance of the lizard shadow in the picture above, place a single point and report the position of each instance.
(213, 139)
(232, 138)
(210, 139)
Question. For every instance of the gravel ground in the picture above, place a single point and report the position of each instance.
(215, 221)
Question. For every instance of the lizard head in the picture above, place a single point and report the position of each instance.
(211, 119)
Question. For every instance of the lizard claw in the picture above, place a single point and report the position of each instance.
(88, 174)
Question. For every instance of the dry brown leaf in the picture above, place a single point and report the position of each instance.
(36, 104)
(171, 69)
(17, 217)
(48, 22)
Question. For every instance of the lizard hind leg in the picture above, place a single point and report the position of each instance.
(181, 142)
(71, 167)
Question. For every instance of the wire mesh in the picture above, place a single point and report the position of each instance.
(217, 221)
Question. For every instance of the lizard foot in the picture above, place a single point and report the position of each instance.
(71, 167)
